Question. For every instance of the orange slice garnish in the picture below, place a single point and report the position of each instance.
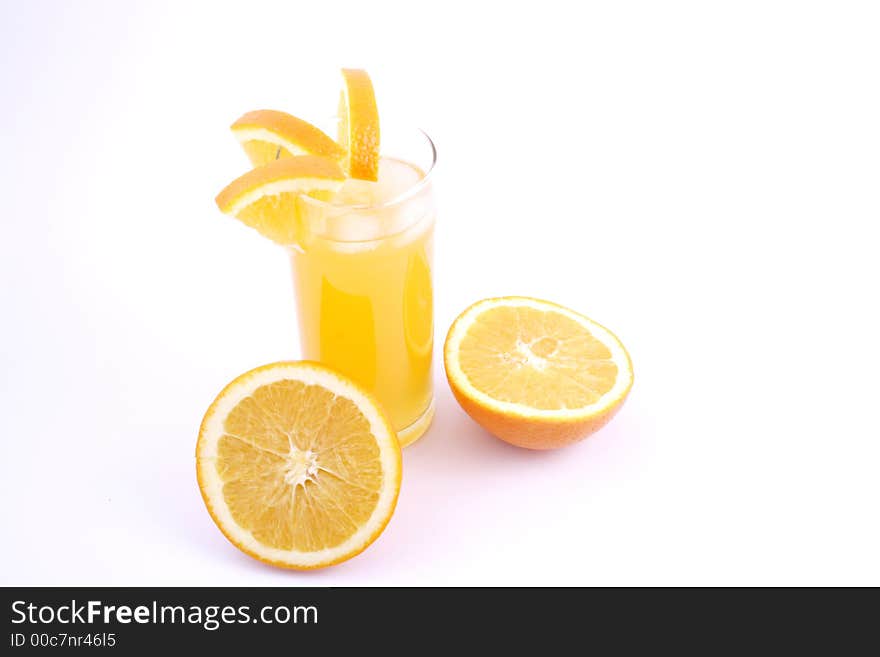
(268, 135)
(266, 198)
(359, 125)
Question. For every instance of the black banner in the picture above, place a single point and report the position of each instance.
(368, 620)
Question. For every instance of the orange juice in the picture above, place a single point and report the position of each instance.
(363, 285)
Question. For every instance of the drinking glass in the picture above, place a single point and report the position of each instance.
(362, 273)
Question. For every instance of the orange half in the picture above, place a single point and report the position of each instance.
(534, 373)
(297, 465)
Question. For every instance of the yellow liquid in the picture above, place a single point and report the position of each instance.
(364, 293)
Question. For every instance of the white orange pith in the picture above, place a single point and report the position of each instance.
(297, 466)
(533, 373)
(265, 198)
(359, 125)
(268, 135)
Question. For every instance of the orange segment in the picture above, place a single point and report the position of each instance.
(268, 135)
(265, 198)
(297, 466)
(359, 125)
(533, 373)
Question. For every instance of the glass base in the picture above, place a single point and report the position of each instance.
(409, 435)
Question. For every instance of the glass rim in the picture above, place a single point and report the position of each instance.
(405, 195)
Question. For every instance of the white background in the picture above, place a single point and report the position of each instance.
(700, 177)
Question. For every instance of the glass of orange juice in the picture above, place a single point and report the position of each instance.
(362, 274)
